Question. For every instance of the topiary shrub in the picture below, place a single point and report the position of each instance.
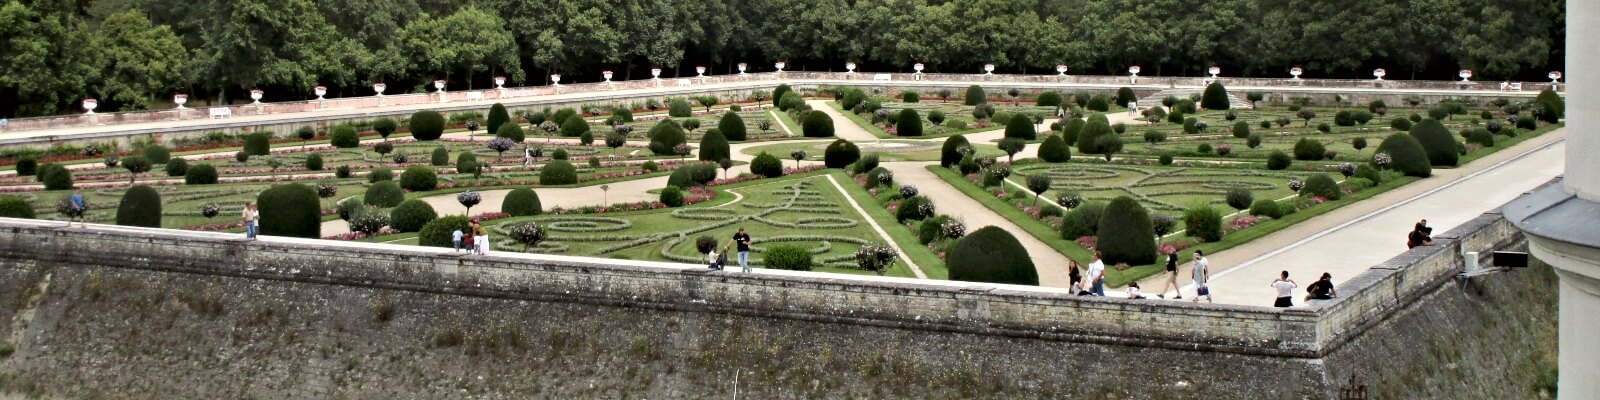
(1125, 95)
(380, 175)
(1344, 118)
(427, 125)
(672, 196)
(1097, 103)
(258, 144)
(910, 97)
(574, 127)
(419, 179)
(915, 208)
(841, 153)
(177, 167)
(1437, 141)
(15, 207)
(950, 153)
(201, 174)
(1277, 160)
(1088, 139)
(713, 147)
(1203, 222)
(561, 116)
(438, 232)
(411, 215)
(384, 194)
(157, 154)
(692, 175)
(344, 136)
(1071, 129)
(791, 102)
(1308, 149)
(1266, 208)
(292, 210)
(778, 92)
(1241, 129)
(1321, 185)
(732, 127)
(1215, 97)
(1406, 155)
(931, 229)
(1239, 198)
(511, 131)
(787, 257)
(678, 108)
(991, 255)
(1082, 221)
(908, 123)
(1550, 105)
(665, 136)
(1049, 98)
(1126, 234)
(1481, 136)
(140, 206)
(558, 172)
(1022, 128)
(521, 202)
(314, 162)
(975, 96)
(385, 126)
(497, 117)
(441, 157)
(817, 124)
(342, 172)
(27, 165)
(766, 165)
(1055, 150)
(55, 176)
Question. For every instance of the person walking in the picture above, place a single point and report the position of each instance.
(1285, 288)
(742, 240)
(1097, 274)
(527, 155)
(480, 238)
(455, 239)
(1172, 276)
(76, 208)
(1202, 276)
(252, 220)
(1322, 289)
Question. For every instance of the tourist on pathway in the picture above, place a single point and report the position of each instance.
(1285, 288)
(1075, 277)
(743, 241)
(480, 238)
(1172, 276)
(1202, 275)
(1133, 291)
(455, 239)
(76, 207)
(527, 156)
(252, 220)
(1097, 274)
(1421, 235)
(1322, 289)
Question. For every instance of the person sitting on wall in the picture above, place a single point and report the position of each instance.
(1322, 289)
(1133, 291)
(1421, 235)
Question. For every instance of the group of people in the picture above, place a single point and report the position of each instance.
(1421, 235)
(740, 242)
(1091, 281)
(475, 239)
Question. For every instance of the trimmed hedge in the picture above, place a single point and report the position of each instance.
(817, 124)
(57, 177)
(1055, 149)
(1049, 98)
(991, 255)
(778, 92)
(511, 131)
(948, 154)
(1126, 234)
(521, 202)
(841, 153)
(732, 127)
(419, 179)
(787, 257)
(1321, 185)
(497, 117)
(665, 136)
(1266, 208)
(438, 232)
(558, 172)
(1278, 161)
(314, 162)
(1308, 149)
(677, 108)
(380, 175)
(1437, 141)
(692, 175)
(1215, 97)
(1241, 129)
(427, 125)
(384, 194)
(1098, 103)
(766, 165)
(15, 207)
(258, 144)
(672, 196)
(177, 167)
(1021, 127)
(292, 210)
(1082, 221)
(713, 147)
(1071, 129)
(561, 116)
(916, 208)
(201, 174)
(1203, 222)
(975, 96)
(140, 206)
(344, 136)
(157, 154)
(574, 127)
(908, 123)
(411, 215)
(441, 157)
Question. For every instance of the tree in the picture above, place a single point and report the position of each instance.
(707, 101)
(500, 145)
(1306, 115)
(305, 133)
(1126, 234)
(1215, 97)
(468, 199)
(528, 233)
(1109, 145)
(1012, 146)
(1038, 184)
(470, 40)
(797, 155)
(991, 255)
(1254, 97)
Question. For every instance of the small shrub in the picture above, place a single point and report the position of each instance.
(679, 108)
(27, 166)
(1055, 150)
(840, 154)
(558, 172)
(991, 255)
(384, 194)
(15, 207)
(1165, 158)
(419, 179)
(915, 208)
(437, 233)
(1084, 220)
(1278, 161)
(1321, 185)
(344, 136)
(817, 124)
(1203, 222)
(672, 196)
(1241, 129)
(1406, 155)
(379, 175)
(1049, 98)
(950, 152)
(157, 154)
(258, 144)
(766, 165)
(179, 167)
(427, 125)
(1308, 149)
(1266, 208)
(520, 202)
(866, 163)
(975, 96)
(1021, 128)
(201, 174)
(411, 215)
(787, 257)
(140, 206)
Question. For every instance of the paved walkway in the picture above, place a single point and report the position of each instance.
(1350, 240)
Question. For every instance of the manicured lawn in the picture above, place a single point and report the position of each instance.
(912, 150)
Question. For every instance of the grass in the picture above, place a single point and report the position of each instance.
(902, 235)
(814, 150)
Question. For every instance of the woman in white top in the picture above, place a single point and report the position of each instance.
(1285, 288)
(1133, 291)
(1202, 274)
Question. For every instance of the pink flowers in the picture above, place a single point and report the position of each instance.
(1242, 222)
(1087, 242)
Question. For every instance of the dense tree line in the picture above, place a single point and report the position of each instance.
(133, 54)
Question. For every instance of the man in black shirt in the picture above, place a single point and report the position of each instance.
(743, 241)
(1172, 275)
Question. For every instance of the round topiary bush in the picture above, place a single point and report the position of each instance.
(908, 123)
(411, 215)
(713, 147)
(559, 172)
(1277, 160)
(55, 177)
(1266, 208)
(1071, 129)
(574, 127)
(1049, 98)
(384, 194)
(1239, 198)
(991, 255)
(766, 165)
(817, 124)
(975, 96)
(511, 131)
(177, 167)
(157, 154)
(384, 126)
(679, 108)
(841, 153)
(1125, 95)
(15, 207)
(344, 136)
(787, 257)
(665, 136)
(732, 127)
(258, 144)
(427, 125)
(342, 172)
(1215, 97)
(1437, 141)
(915, 208)
(1481, 136)
(521, 202)
(672, 196)
(950, 153)
(1055, 149)
(438, 232)
(140, 206)
(419, 179)
(27, 165)
(1241, 129)
(1126, 234)
(1406, 155)
(1308, 149)
(292, 210)
(1321, 185)
(380, 175)
(201, 174)
(1089, 138)
(1022, 128)
(1203, 222)
(1084, 220)
(1098, 103)
(314, 162)
(440, 157)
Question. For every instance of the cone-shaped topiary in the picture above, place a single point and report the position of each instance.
(1203, 222)
(777, 93)
(384, 194)
(1021, 127)
(411, 215)
(1049, 98)
(511, 131)
(1308, 149)
(521, 202)
(1321, 185)
(1090, 134)
(1215, 97)
(1055, 149)
(991, 255)
(15, 207)
(140, 206)
(497, 117)
(157, 154)
(1437, 141)
(766, 165)
(1550, 105)
(1126, 234)
(713, 147)
(1406, 155)
(437, 233)
(908, 123)
(558, 172)
(427, 125)
(258, 144)
(817, 124)
(950, 153)
(732, 127)
(841, 153)
(419, 179)
(975, 96)
(292, 210)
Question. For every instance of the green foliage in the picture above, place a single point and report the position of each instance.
(1191, 125)
(379, 175)
(510, 130)
(1126, 234)
(1203, 222)
(574, 127)
(179, 167)
(665, 136)
(787, 257)
(1154, 136)
(1083, 221)
(27, 165)
(258, 144)
(692, 175)
(866, 163)
(1481, 137)
(1055, 149)
(1165, 159)
(342, 172)
(440, 157)
(520, 202)
(15, 207)
(411, 215)
(975, 96)
(1407, 155)
(1215, 97)
(910, 97)
(561, 116)
(841, 153)
(1241, 129)
(779, 92)
(201, 174)
(344, 136)
(157, 154)
(1071, 129)
(1308, 149)
(497, 117)
(732, 127)
(817, 125)
(1022, 128)
(1125, 95)
(677, 108)
(438, 232)
(1239, 198)
(950, 154)
(1321, 185)
(1400, 124)
(419, 179)
(466, 163)
(558, 172)
(908, 123)
(931, 228)
(915, 208)
(766, 165)
(292, 210)
(713, 147)
(1550, 105)
(385, 126)
(427, 125)
(140, 206)
(1438, 142)
(991, 255)
(1278, 161)
(791, 102)
(1266, 208)
(1049, 98)
(1097, 103)
(672, 196)
(1344, 118)
(384, 194)
(1088, 139)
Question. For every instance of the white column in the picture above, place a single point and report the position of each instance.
(1578, 263)
(1583, 169)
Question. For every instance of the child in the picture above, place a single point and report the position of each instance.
(1133, 291)
(711, 259)
(455, 239)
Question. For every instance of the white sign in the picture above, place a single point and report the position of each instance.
(221, 112)
(881, 77)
